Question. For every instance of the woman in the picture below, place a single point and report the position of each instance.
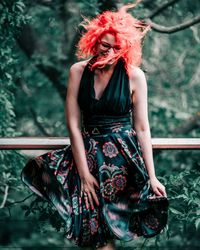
(104, 185)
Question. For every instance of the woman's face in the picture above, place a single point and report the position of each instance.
(107, 45)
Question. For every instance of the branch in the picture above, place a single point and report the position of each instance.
(66, 11)
(38, 124)
(53, 75)
(16, 202)
(25, 90)
(28, 43)
(5, 196)
(46, 3)
(175, 28)
(161, 8)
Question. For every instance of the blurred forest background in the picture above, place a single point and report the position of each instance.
(37, 46)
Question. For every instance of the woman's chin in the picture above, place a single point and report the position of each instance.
(111, 62)
(108, 63)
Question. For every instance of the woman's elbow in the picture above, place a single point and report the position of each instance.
(142, 127)
(73, 128)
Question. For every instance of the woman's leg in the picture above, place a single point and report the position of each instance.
(109, 246)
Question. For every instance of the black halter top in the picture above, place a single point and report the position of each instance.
(114, 103)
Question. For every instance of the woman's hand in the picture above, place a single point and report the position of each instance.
(88, 184)
(157, 187)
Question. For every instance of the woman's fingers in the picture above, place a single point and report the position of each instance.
(88, 191)
(162, 190)
(86, 200)
(95, 197)
(157, 192)
(158, 188)
(93, 191)
(90, 200)
(90, 196)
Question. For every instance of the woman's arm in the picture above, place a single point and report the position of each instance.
(138, 85)
(73, 119)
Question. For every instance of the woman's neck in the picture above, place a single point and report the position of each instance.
(106, 69)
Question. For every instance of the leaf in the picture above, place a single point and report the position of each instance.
(196, 182)
(174, 211)
(197, 223)
(8, 76)
(20, 6)
(24, 207)
(27, 213)
(181, 196)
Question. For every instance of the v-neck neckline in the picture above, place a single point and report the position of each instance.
(107, 85)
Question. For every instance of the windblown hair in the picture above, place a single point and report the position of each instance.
(128, 32)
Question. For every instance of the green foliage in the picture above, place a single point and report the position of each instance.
(46, 214)
(12, 18)
(37, 48)
(7, 115)
(184, 212)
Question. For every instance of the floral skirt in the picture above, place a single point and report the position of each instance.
(114, 158)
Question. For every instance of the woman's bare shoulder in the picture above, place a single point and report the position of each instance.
(78, 67)
(136, 73)
(137, 77)
(75, 74)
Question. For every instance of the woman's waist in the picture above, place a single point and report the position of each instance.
(102, 124)
(100, 119)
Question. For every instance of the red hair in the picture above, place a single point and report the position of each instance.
(127, 30)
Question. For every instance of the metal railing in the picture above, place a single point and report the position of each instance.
(56, 142)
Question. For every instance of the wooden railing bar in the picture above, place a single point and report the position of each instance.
(56, 142)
